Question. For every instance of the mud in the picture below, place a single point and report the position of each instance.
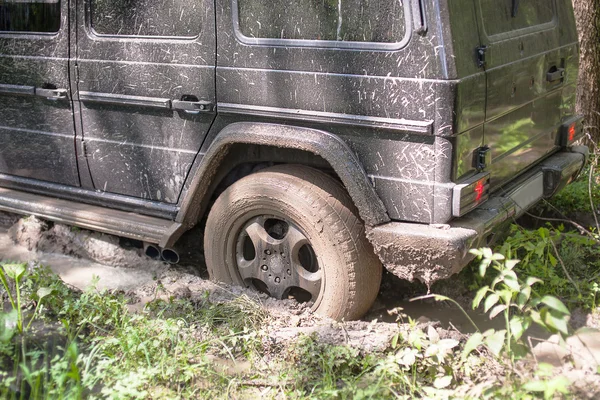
(433, 253)
(80, 255)
(40, 236)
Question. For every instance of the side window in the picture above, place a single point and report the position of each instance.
(39, 16)
(172, 18)
(500, 16)
(375, 21)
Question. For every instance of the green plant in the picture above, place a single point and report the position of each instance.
(567, 262)
(519, 304)
(546, 383)
(16, 273)
(37, 371)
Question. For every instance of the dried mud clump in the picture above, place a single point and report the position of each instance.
(38, 235)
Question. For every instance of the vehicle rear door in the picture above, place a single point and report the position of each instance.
(37, 137)
(531, 60)
(145, 79)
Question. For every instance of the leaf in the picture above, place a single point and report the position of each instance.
(442, 382)
(433, 335)
(555, 304)
(556, 321)
(479, 296)
(497, 310)
(395, 340)
(414, 338)
(518, 326)
(8, 325)
(408, 357)
(487, 253)
(490, 301)
(510, 264)
(523, 296)
(532, 281)
(448, 344)
(476, 252)
(43, 292)
(485, 263)
(497, 257)
(14, 271)
(510, 280)
(535, 386)
(495, 342)
(474, 341)
(505, 295)
(432, 350)
(536, 317)
(519, 350)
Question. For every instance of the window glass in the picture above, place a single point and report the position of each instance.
(501, 16)
(179, 18)
(337, 20)
(41, 16)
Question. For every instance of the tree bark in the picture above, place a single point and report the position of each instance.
(587, 14)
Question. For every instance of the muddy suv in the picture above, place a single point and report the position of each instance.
(314, 140)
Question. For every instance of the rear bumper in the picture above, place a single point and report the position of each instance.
(432, 252)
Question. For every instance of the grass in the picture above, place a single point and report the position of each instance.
(101, 350)
(89, 345)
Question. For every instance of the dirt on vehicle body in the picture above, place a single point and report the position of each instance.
(320, 140)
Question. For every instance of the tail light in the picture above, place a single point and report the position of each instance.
(470, 194)
(570, 131)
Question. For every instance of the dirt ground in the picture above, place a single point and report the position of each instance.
(79, 255)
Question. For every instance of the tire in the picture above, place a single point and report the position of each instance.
(293, 231)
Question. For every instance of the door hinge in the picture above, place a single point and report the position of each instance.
(84, 149)
(482, 158)
(481, 51)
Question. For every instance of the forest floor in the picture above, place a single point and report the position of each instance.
(115, 324)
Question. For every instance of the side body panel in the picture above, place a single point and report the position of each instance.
(383, 102)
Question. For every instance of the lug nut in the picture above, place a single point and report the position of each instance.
(264, 268)
(268, 252)
(289, 272)
(277, 280)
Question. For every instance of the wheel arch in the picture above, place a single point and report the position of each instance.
(214, 166)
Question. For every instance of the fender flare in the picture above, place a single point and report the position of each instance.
(324, 144)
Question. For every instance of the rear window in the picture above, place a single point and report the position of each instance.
(41, 16)
(172, 18)
(374, 21)
(501, 16)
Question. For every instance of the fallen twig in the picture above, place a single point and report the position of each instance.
(580, 228)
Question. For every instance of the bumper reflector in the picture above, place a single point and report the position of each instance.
(570, 131)
(470, 194)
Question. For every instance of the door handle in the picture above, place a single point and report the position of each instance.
(51, 94)
(191, 105)
(555, 74)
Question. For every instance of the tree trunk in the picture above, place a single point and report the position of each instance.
(587, 13)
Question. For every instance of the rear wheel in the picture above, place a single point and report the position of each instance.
(292, 231)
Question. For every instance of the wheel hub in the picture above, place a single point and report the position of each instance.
(274, 256)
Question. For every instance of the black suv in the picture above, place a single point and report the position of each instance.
(315, 139)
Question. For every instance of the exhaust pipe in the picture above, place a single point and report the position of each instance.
(151, 251)
(170, 256)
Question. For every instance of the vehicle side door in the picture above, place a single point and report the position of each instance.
(145, 81)
(37, 133)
